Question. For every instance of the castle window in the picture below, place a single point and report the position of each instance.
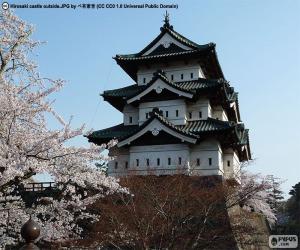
(209, 161)
(137, 162)
(190, 115)
(144, 80)
(169, 161)
(130, 119)
(167, 113)
(198, 162)
(181, 76)
(179, 160)
(147, 162)
(192, 75)
(177, 112)
(228, 163)
(116, 165)
(147, 115)
(126, 164)
(200, 114)
(172, 77)
(158, 161)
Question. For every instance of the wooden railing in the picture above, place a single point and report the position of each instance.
(39, 186)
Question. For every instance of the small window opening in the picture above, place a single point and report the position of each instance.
(147, 162)
(228, 163)
(169, 161)
(126, 164)
(172, 77)
(116, 165)
(198, 162)
(158, 161)
(181, 76)
(192, 75)
(179, 160)
(137, 162)
(190, 115)
(144, 80)
(147, 115)
(167, 113)
(130, 119)
(209, 161)
(177, 113)
(200, 114)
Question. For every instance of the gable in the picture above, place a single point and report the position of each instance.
(156, 128)
(158, 86)
(166, 41)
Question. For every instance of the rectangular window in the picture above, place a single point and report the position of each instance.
(158, 161)
(177, 113)
(179, 161)
(192, 75)
(147, 115)
(116, 165)
(144, 80)
(126, 164)
(209, 161)
(137, 162)
(147, 162)
(172, 77)
(169, 161)
(228, 163)
(167, 113)
(190, 115)
(130, 119)
(198, 162)
(181, 76)
(200, 114)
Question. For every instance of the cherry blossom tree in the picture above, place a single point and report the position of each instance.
(28, 146)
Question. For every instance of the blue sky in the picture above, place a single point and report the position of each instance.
(257, 45)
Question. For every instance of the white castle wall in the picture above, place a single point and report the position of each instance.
(130, 111)
(178, 71)
(201, 105)
(231, 164)
(166, 106)
(206, 158)
(219, 113)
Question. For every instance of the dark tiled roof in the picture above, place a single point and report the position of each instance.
(191, 129)
(193, 85)
(115, 132)
(172, 50)
(208, 125)
(124, 92)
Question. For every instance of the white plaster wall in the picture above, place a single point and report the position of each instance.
(130, 111)
(203, 151)
(163, 152)
(202, 105)
(232, 171)
(219, 113)
(121, 155)
(176, 70)
(171, 106)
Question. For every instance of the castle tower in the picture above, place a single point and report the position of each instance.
(180, 115)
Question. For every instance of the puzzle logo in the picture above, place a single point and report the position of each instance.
(5, 6)
(283, 241)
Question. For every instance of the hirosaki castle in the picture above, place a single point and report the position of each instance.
(179, 115)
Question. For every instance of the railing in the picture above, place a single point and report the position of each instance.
(39, 186)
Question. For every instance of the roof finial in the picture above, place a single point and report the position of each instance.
(167, 21)
(167, 18)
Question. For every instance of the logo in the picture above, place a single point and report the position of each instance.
(283, 241)
(5, 6)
